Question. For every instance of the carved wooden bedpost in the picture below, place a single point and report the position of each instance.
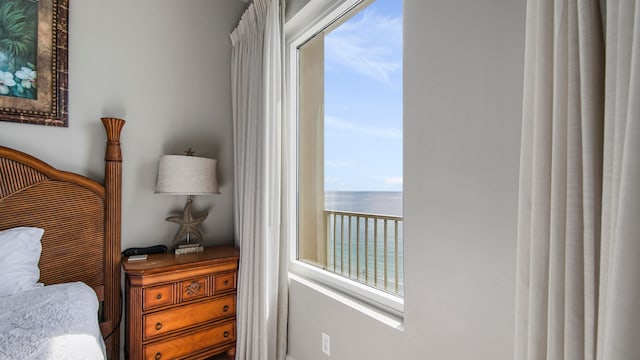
(113, 216)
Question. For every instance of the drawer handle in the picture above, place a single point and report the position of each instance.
(159, 296)
(226, 334)
(158, 326)
(158, 356)
(225, 308)
(226, 282)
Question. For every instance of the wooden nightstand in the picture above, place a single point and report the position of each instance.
(181, 306)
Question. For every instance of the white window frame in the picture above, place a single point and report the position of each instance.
(315, 16)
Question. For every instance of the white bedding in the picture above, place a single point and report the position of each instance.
(52, 322)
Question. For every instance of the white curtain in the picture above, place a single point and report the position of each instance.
(578, 266)
(256, 70)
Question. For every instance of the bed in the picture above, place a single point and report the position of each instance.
(79, 261)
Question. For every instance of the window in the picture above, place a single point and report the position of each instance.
(348, 82)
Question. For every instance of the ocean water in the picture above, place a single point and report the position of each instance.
(369, 202)
(368, 249)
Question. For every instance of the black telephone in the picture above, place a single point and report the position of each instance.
(156, 249)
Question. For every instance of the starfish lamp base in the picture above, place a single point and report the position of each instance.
(189, 230)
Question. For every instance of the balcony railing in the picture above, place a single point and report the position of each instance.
(367, 248)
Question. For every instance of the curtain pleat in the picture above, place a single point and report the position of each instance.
(256, 72)
(578, 294)
(619, 314)
(560, 181)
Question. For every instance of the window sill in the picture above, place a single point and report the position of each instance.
(382, 306)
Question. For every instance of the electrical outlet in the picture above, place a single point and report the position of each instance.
(326, 344)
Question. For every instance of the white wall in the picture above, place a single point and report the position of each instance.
(163, 66)
(463, 93)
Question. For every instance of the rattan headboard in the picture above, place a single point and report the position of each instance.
(81, 219)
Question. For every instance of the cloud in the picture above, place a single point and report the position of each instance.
(334, 182)
(369, 44)
(338, 164)
(371, 131)
(397, 180)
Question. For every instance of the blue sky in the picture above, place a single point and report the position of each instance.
(363, 101)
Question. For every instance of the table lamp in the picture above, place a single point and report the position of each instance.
(187, 175)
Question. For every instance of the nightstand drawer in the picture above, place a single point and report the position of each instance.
(157, 296)
(194, 289)
(191, 343)
(224, 282)
(165, 321)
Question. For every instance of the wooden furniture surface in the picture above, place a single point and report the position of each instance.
(181, 306)
(81, 219)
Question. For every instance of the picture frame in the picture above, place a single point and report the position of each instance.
(34, 61)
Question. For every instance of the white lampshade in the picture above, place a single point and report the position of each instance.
(187, 175)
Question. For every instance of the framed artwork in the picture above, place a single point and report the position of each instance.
(34, 61)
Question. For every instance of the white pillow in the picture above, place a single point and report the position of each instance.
(20, 250)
